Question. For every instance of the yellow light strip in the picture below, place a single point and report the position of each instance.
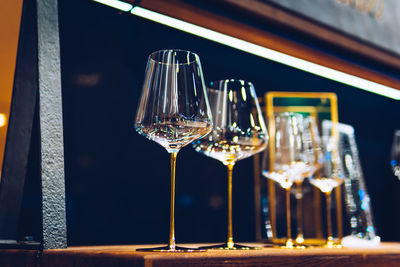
(269, 54)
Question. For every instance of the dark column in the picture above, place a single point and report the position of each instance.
(37, 88)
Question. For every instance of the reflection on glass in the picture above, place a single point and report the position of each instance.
(173, 110)
(357, 200)
(239, 132)
(395, 155)
(327, 178)
(293, 158)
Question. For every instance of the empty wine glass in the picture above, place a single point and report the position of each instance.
(290, 159)
(239, 132)
(312, 146)
(395, 155)
(327, 178)
(173, 111)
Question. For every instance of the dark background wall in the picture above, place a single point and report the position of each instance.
(117, 182)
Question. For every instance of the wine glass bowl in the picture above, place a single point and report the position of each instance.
(174, 132)
(239, 129)
(173, 111)
(238, 132)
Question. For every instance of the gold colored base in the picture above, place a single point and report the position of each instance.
(307, 242)
(231, 247)
(332, 244)
(292, 245)
(168, 249)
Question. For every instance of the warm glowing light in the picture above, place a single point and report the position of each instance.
(3, 119)
(116, 4)
(258, 50)
(270, 54)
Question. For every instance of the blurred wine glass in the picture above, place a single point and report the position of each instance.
(239, 132)
(291, 159)
(395, 155)
(312, 146)
(173, 111)
(327, 178)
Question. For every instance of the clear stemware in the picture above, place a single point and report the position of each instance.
(239, 132)
(328, 178)
(312, 144)
(292, 159)
(173, 111)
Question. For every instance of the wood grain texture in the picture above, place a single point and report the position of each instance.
(205, 18)
(388, 254)
(19, 258)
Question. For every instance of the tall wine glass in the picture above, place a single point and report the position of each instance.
(239, 132)
(173, 111)
(327, 178)
(395, 155)
(291, 160)
(312, 147)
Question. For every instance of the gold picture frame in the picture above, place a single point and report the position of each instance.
(320, 105)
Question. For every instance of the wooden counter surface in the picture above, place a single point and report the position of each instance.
(388, 254)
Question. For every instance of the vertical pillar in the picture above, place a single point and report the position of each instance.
(51, 127)
(37, 89)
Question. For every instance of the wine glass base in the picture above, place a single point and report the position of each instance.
(168, 249)
(226, 247)
(299, 243)
(332, 245)
(292, 245)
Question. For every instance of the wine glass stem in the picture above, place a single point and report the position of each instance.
(230, 242)
(328, 217)
(288, 222)
(171, 243)
(299, 208)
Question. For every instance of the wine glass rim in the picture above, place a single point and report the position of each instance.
(196, 57)
(234, 80)
(249, 86)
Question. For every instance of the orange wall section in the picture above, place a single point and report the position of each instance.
(10, 17)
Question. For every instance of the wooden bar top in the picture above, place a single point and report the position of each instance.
(387, 254)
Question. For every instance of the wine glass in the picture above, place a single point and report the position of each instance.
(173, 111)
(239, 132)
(327, 178)
(395, 155)
(290, 160)
(312, 146)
